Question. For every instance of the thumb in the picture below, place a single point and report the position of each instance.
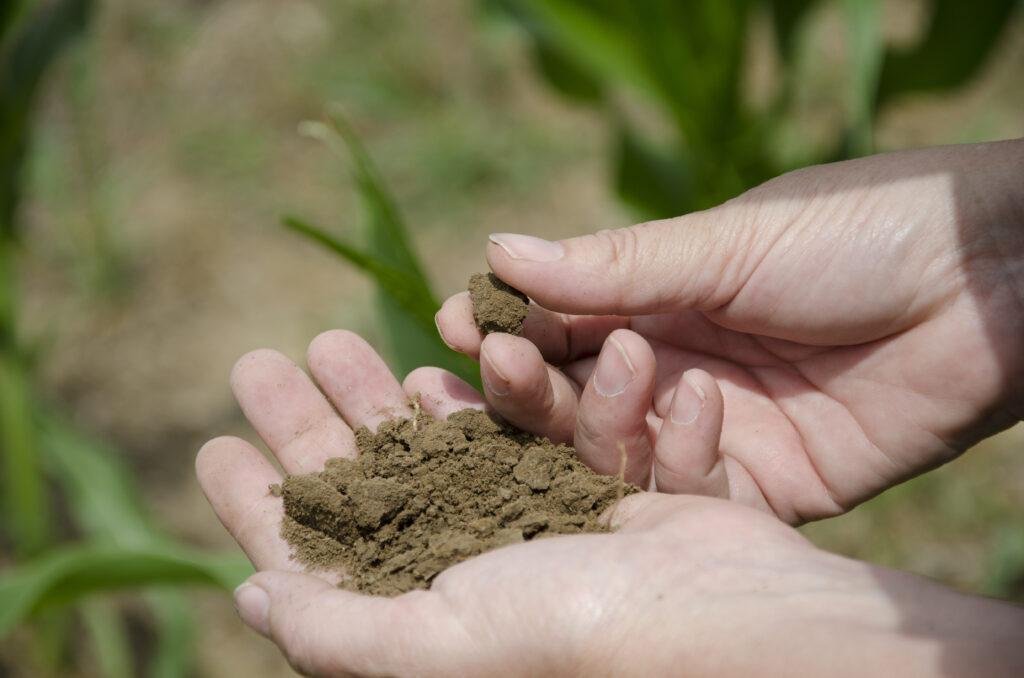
(323, 630)
(659, 266)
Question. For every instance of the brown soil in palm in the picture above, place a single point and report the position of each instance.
(426, 494)
(497, 306)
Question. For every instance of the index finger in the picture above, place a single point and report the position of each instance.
(560, 337)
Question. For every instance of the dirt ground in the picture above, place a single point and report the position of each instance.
(168, 151)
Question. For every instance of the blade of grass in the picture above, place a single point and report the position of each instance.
(655, 183)
(24, 493)
(865, 57)
(960, 37)
(23, 62)
(102, 622)
(98, 489)
(70, 573)
(398, 284)
(107, 507)
(10, 12)
(590, 35)
(174, 656)
(408, 313)
(405, 300)
(387, 226)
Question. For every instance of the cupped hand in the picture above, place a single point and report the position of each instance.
(798, 349)
(685, 585)
(577, 604)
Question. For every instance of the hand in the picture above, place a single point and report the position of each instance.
(685, 584)
(798, 349)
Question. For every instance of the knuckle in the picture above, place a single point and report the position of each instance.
(621, 248)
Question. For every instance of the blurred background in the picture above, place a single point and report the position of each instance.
(150, 150)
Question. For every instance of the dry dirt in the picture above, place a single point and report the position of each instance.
(425, 494)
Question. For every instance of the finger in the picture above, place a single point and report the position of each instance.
(236, 480)
(356, 379)
(579, 371)
(612, 417)
(686, 453)
(526, 391)
(324, 630)
(289, 413)
(441, 393)
(659, 266)
(558, 336)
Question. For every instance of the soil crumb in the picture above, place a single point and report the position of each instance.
(497, 306)
(425, 494)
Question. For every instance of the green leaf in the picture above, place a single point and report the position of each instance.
(787, 17)
(656, 183)
(561, 70)
(407, 313)
(10, 11)
(684, 58)
(960, 36)
(564, 75)
(104, 501)
(1004, 576)
(398, 284)
(23, 62)
(72, 572)
(102, 621)
(175, 638)
(386, 223)
(24, 498)
(865, 57)
(105, 505)
(406, 302)
(592, 35)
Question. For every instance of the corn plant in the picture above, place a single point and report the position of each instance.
(683, 63)
(115, 546)
(405, 300)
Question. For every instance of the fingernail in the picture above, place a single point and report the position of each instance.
(527, 247)
(496, 383)
(440, 332)
(687, 402)
(614, 371)
(253, 605)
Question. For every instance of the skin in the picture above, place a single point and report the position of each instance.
(825, 374)
(850, 325)
(685, 584)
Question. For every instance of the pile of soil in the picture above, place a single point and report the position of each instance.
(425, 494)
(497, 306)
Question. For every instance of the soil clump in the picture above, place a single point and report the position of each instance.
(497, 306)
(425, 494)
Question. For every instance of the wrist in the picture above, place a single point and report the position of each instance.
(842, 618)
(989, 199)
(888, 622)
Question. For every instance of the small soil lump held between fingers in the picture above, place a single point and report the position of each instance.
(497, 306)
(425, 494)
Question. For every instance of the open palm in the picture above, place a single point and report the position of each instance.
(566, 605)
(545, 606)
(798, 349)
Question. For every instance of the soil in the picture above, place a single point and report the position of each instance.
(497, 306)
(425, 494)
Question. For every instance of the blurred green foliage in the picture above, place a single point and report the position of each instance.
(115, 545)
(405, 300)
(683, 63)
